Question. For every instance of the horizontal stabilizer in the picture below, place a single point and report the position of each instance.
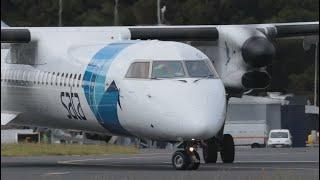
(7, 117)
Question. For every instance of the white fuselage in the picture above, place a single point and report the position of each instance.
(79, 86)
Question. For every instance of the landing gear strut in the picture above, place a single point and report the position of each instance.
(187, 159)
(224, 145)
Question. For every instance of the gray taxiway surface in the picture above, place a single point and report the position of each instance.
(283, 163)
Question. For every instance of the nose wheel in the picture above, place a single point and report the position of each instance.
(186, 160)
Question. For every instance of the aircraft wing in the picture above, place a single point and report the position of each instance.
(284, 30)
(211, 32)
(189, 32)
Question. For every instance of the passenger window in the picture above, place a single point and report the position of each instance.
(25, 76)
(57, 79)
(38, 77)
(74, 80)
(53, 78)
(45, 74)
(16, 74)
(70, 80)
(11, 75)
(20, 77)
(138, 70)
(48, 78)
(33, 77)
(30, 76)
(79, 80)
(65, 80)
(61, 79)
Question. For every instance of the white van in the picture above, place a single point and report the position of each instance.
(254, 134)
(279, 138)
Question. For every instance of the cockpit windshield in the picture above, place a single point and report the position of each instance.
(167, 69)
(198, 69)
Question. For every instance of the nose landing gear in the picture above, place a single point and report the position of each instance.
(187, 159)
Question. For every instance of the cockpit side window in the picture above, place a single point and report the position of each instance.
(138, 70)
(167, 69)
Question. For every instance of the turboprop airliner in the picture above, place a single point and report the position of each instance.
(168, 83)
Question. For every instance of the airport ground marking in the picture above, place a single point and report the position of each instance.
(276, 162)
(56, 173)
(219, 166)
(115, 158)
(263, 167)
(265, 154)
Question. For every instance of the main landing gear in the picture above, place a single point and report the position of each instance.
(224, 145)
(189, 159)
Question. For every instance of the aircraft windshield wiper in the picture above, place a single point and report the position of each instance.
(204, 77)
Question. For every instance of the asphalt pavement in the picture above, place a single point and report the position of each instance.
(264, 163)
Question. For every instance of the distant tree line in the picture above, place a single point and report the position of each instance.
(292, 70)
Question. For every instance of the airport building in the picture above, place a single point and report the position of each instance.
(250, 118)
(9, 136)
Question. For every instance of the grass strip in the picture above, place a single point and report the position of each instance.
(40, 149)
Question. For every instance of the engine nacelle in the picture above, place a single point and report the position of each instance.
(243, 54)
(258, 51)
(255, 80)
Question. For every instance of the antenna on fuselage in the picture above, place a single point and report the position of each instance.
(60, 13)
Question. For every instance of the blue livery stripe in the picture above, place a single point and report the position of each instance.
(103, 103)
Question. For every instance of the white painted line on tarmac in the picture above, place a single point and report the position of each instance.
(55, 173)
(268, 154)
(113, 158)
(218, 165)
(262, 168)
(221, 163)
(276, 161)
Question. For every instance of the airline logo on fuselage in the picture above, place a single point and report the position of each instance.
(103, 101)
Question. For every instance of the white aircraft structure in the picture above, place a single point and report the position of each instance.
(167, 83)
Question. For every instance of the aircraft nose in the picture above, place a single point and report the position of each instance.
(185, 111)
(205, 116)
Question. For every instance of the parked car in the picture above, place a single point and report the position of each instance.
(279, 138)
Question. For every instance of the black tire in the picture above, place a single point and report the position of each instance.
(210, 151)
(255, 145)
(181, 160)
(195, 163)
(227, 151)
